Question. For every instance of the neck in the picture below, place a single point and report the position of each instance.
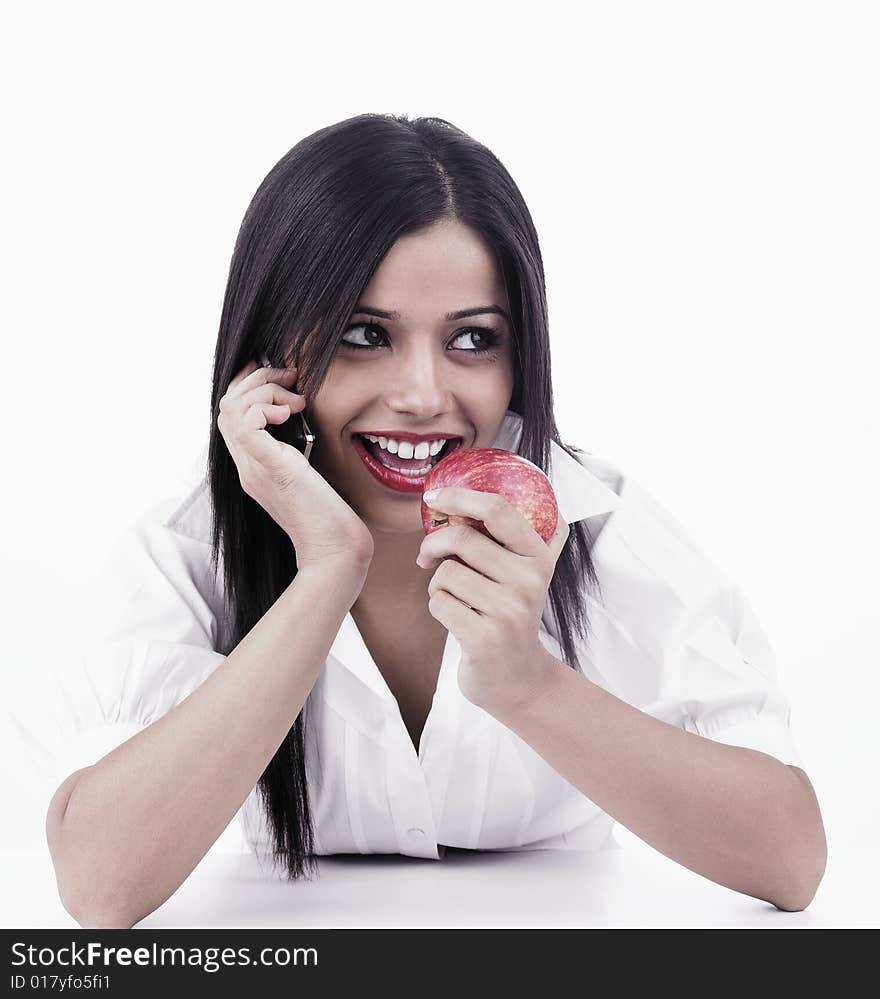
(393, 579)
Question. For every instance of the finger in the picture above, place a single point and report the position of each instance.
(472, 547)
(244, 435)
(253, 375)
(501, 519)
(261, 446)
(245, 371)
(461, 582)
(258, 415)
(271, 393)
(455, 616)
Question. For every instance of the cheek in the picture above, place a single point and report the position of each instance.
(504, 369)
(496, 386)
(336, 400)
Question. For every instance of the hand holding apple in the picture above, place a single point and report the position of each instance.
(492, 470)
(496, 534)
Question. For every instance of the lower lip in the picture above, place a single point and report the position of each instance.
(388, 477)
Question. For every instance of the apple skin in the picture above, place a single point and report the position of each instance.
(493, 470)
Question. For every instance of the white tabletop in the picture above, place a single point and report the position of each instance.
(625, 887)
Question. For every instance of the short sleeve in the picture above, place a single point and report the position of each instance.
(729, 681)
(147, 640)
(677, 638)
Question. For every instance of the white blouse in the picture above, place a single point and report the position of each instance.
(671, 635)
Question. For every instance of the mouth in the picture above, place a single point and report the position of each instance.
(400, 474)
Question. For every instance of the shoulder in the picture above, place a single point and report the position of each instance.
(156, 576)
(641, 551)
(185, 513)
(164, 549)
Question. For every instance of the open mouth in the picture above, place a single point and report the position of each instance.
(408, 465)
(402, 474)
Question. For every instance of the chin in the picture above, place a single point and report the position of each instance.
(400, 516)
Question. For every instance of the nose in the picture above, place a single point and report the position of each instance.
(421, 384)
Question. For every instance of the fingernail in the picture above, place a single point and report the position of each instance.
(431, 495)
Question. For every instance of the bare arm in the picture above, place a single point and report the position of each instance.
(125, 833)
(736, 816)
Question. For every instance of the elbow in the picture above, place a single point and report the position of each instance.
(804, 855)
(90, 896)
(81, 895)
(77, 883)
(82, 898)
(803, 878)
(100, 918)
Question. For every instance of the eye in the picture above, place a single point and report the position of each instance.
(371, 329)
(489, 337)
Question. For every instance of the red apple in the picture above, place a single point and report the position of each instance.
(493, 470)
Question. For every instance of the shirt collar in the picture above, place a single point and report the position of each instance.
(579, 492)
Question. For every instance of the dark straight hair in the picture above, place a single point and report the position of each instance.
(314, 233)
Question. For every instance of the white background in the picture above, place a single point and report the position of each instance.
(703, 179)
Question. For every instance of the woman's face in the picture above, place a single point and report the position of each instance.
(424, 374)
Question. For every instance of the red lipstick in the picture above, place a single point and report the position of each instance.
(392, 479)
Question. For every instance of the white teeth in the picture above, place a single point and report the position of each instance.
(406, 450)
(414, 471)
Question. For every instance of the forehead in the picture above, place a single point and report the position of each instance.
(438, 270)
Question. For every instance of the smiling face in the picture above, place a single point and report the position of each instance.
(419, 371)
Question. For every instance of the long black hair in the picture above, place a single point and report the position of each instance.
(314, 233)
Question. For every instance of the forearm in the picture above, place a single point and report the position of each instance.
(134, 825)
(736, 816)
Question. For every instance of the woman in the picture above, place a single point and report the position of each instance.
(349, 686)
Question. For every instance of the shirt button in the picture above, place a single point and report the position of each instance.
(415, 832)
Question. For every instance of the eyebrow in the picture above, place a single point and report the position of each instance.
(363, 308)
